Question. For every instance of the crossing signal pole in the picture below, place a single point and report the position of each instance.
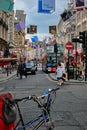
(83, 38)
(56, 51)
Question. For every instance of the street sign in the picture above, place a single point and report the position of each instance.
(69, 45)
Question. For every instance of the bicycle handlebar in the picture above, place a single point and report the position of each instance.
(34, 97)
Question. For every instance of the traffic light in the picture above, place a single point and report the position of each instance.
(55, 48)
(82, 38)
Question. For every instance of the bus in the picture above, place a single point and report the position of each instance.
(50, 59)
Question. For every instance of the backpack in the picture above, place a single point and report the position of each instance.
(8, 109)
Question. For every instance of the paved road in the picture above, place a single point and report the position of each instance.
(70, 107)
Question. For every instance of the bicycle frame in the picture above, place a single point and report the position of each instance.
(41, 118)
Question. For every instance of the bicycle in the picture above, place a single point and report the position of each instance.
(44, 117)
(79, 76)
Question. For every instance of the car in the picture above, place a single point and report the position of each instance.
(30, 67)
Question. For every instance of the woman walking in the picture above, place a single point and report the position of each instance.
(59, 72)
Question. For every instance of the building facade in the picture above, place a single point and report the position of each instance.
(3, 31)
(19, 36)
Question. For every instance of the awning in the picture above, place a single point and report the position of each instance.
(6, 61)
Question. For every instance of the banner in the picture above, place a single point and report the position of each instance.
(52, 29)
(6, 5)
(48, 4)
(79, 4)
(42, 8)
(33, 29)
(66, 15)
(20, 26)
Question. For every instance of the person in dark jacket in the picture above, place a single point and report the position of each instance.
(21, 69)
(24, 70)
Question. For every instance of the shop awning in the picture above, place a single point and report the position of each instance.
(6, 61)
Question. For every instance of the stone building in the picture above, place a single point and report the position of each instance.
(3, 31)
(19, 36)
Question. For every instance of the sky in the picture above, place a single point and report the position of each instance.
(42, 20)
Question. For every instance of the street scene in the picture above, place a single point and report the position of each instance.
(43, 65)
(69, 109)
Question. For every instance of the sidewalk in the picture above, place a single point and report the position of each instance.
(4, 77)
(53, 77)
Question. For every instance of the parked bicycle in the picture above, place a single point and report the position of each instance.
(45, 116)
(79, 76)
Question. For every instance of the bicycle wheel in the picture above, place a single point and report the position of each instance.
(80, 77)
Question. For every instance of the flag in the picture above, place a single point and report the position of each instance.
(33, 29)
(34, 39)
(66, 15)
(6, 5)
(52, 29)
(48, 4)
(80, 4)
(20, 26)
(40, 8)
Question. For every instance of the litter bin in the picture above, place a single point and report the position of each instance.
(71, 72)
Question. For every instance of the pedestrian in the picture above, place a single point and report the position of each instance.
(59, 72)
(17, 65)
(21, 69)
(64, 71)
(80, 67)
(63, 66)
(24, 70)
